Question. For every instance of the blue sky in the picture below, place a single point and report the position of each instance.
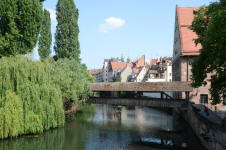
(132, 28)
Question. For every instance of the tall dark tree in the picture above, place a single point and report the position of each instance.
(45, 37)
(20, 22)
(209, 24)
(67, 30)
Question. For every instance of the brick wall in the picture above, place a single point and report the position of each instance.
(196, 93)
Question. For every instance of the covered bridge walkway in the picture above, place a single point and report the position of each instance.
(165, 101)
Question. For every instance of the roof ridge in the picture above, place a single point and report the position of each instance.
(189, 7)
(179, 27)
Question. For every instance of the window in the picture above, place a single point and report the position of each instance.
(204, 99)
(175, 41)
(224, 99)
(176, 28)
(195, 12)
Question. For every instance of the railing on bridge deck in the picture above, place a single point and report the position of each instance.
(142, 86)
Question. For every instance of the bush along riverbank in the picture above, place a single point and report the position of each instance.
(34, 95)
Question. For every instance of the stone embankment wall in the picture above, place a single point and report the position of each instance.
(211, 134)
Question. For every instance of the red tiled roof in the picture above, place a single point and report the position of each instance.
(185, 17)
(140, 62)
(119, 65)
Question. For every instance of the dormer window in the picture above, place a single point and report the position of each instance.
(195, 12)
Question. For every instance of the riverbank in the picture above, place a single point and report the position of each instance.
(72, 109)
(211, 133)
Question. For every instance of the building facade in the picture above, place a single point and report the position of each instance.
(184, 52)
(116, 69)
(160, 70)
(107, 72)
(98, 74)
(127, 74)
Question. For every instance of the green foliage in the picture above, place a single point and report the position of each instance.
(209, 24)
(11, 118)
(30, 102)
(85, 112)
(119, 79)
(45, 38)
(20, 22)
(32, 93)
(67, 30)
(72, 78)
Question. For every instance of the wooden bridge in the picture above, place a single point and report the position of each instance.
(147, 102)
(141, 86)
(109, 90)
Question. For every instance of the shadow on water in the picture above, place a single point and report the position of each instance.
(112, 128)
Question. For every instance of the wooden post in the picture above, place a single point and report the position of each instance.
(162, 95)
(187, 96)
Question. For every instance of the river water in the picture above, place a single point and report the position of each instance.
(113, 128)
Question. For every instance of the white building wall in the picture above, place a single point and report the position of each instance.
(142, 74)
(169, 76)
(156, 80)
(126, 73)
(105, 71)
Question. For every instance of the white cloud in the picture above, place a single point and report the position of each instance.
(52, 14)
(112, 23)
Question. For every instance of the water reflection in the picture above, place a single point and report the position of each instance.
(53, 140)
(137, 117)
(111, 128)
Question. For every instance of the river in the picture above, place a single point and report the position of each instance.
(113, 128)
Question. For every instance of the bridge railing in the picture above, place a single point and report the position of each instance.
(142, 86)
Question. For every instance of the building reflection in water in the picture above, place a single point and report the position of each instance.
(140, 117)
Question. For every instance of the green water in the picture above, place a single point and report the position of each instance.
(112, 128)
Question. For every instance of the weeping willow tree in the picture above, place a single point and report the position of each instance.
(30, 102)
(73, 80)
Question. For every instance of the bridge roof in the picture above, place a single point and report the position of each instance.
(142, 86)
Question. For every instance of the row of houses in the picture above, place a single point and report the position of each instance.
(140, 70)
